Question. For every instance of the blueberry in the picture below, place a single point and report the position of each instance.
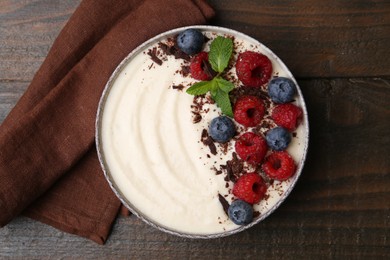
(281, 90)
(278, 138)
(190, 41)
(222, 129)
(240, 212)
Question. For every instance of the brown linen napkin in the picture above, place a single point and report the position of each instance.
(48, 163)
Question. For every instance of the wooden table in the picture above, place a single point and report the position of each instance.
(340, 208)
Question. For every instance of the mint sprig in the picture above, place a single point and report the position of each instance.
(221, 50)
(199, 88)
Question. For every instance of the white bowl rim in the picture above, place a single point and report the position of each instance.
(100, 151)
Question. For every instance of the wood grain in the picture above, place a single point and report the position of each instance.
(314, 38)
(340, 208)
(27, 31)
(10, 91)
(317, 38)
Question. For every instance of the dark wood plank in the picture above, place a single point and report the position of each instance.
(10, 92)
(339, 209)
(317, 38)
(276, 238)
(314, 38)
(27, 31)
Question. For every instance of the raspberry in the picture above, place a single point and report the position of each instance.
(200, 67)
(287, 116)
(253, 69)
(250, 187)
(249, 110)
(251, 148)
(279, 166)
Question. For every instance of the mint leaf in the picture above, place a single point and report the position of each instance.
(200, 88)
(223, 102)
(221, 50)
(219, 89)
(224, 85)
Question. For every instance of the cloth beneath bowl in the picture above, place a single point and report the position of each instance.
(49, 169)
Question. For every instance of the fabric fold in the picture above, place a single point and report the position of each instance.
(48, 163)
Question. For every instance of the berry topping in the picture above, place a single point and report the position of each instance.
(278, 138)
(279, 166)
(200, 67)
(240, 212)
(281, 90)
(190, 41)
(250, 188)
(249, 110)
(222, 129)
(253, 69)
(251, 148)
(287, 116)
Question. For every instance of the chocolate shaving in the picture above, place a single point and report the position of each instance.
(224, 203)
(164, 48)
(204, 134)
(265, 124)
(181, 55)
(206, 66)
(229, 173)
(208, 141)
(174, 51)
(153, 55)
(211, 145)
(249, 91)
(185, 70)
(217, 172)
(234, 168)
(206, 39)
(225, 148)
(179, 87)
(197, 118)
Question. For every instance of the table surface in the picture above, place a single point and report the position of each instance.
(338, 51)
